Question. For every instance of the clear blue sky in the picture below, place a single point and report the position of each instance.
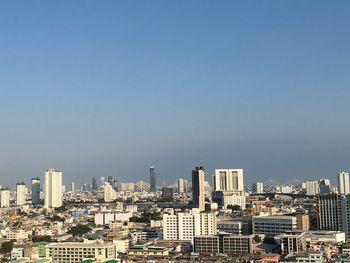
(99, 88)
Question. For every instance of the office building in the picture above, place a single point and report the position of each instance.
(228, 180)
(21, 193)
(74, 252)
(258, 188)
(273, 225)
(325, 186)
(334, 213)
(127, 187)
(223, 243)
(184, 226)
(235, 227)
(292, 242)
(198, 194)
(343, 183)
(94, 185)
(5, 197)
(72, 187)
(53, 188)
(36, 191)
(152, 178)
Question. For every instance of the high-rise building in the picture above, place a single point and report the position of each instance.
(325, 186)
(184, 226)
(94, 184)
(53, 188)
(228, 180)
(5, 197)
(101, 181)
(343, 183)
(334, 213)
(152, 178)
(36, 191)
(258, 188)
(198, 191)
(180, 185)
(72, 187)
(312, 188)
(109, 193)
(21, 193)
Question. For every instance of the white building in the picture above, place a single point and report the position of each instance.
(184, 226)
(312, 188)
(5, 197)
(127, 187)
(21, 194)
(343, 183)
(259, 188)
(53, 188)
(106, 217)
(72, 252)
(228, 180)
(109, 193)
(180, 185)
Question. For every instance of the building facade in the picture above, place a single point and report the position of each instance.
(53, 188)
(198, 191)
(36, 191)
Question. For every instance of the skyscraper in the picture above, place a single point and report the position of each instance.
(53, 188)
(94, 184)
(343, 183)
(21, 193)
(101, 181)
(228, 180)
(5, 197)
(180, 185)
(258, 188)
(35, 191)
(198, 195)
(152, 178)
(72, 186)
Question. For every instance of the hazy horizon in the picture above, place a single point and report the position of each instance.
(110, 88)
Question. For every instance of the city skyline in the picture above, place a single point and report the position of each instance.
(110, 89)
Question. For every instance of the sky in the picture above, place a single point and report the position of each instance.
(109, 88)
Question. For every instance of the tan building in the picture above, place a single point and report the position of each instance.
(303, 222)
(115, 224)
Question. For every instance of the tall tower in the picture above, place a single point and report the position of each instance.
(343, 183)
(21, 193)
(94, 184)
(53, 188)
(101, 181)
(5, 197)
(198, 196)
(72, 187)
(152, 178)
(35, 191)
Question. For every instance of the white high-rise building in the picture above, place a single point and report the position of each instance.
(312, 188)
(109, 193)
(184, 226)
(21, 193)
(259, 188)
(72, 187)
(101, 182)
(181, 185)
(5, 197)
(343, 183)
(53, 188)
(228, 180)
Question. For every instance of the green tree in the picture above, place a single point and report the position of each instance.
(6, 247)
(269, 240)
(79, 230)
(256, 239)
